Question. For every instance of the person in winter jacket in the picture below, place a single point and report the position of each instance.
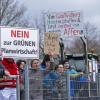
(35, 81)
(21, 66)
(48, 82)
(9, 84)
(47, 58)
(3, 71)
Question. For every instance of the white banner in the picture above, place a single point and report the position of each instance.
(19, 42)
(65, 23)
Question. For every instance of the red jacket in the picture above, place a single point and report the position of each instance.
(11, 66)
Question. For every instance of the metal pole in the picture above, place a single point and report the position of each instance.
(26, 82)
(61, 49)
(86, 61)
(86, 57)
(85, 53)
(18, 88)
(99, 85)
(68, 87)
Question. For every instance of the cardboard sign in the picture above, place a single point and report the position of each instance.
(51, 43)
(19, 42)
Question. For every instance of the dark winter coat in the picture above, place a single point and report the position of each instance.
(1, 70)
(35, 84)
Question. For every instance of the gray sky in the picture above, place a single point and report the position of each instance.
(90, 8)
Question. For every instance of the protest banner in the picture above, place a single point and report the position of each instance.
(19, 42)
(68, 23)
(51, 43)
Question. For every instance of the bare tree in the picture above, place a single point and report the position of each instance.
(12, 14)
(93, 40)
(92, 36)
(39, 24)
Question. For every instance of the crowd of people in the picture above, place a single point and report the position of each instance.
(44, 80)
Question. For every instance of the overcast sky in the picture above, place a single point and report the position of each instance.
(90, 8)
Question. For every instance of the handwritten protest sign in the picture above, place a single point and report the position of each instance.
(68, 23)
(51, 43)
